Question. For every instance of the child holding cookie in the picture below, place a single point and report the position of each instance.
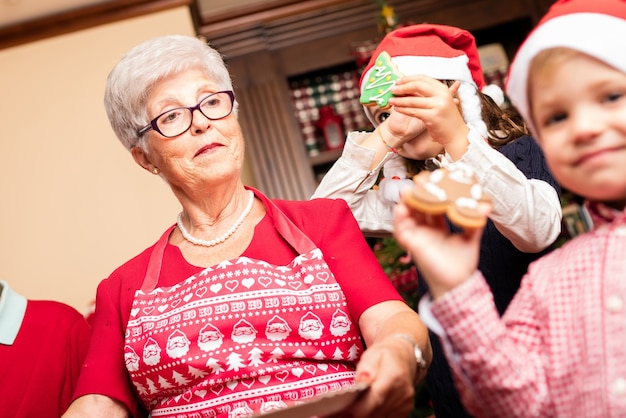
(559, 349)
(440, 115)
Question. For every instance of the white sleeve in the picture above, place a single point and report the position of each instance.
(526, 211)
(351, 180)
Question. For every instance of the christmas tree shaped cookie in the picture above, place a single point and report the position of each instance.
(376, 89)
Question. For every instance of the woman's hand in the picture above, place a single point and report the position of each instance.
(388, 364)
(389, 368)
(436, 106)
(444, 259)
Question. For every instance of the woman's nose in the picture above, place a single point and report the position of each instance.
(199, 122)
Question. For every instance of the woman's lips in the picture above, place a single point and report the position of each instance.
(206, 148)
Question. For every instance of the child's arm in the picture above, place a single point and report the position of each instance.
(356, 171)
(526, 207)
(498, 362)
(351, 178)
(446, 260)
(436, 105)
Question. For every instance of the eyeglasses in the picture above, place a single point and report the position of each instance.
(176, 121)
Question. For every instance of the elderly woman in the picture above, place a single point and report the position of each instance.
(245, 304)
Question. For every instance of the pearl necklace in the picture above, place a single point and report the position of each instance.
(231, 230)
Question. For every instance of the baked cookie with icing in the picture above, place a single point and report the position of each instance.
(451, 191)
(376, 89)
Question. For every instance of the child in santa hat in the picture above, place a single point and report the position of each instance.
(440, 109)
(559, 349)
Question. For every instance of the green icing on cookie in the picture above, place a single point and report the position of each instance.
(377, 87)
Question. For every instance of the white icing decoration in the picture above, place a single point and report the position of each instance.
(466, 202)
(436, 176)
(476, 191)
(380, 79)
(436, 191)
(460, 176)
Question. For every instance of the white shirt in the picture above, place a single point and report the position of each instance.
(526, 211)
(12, 310)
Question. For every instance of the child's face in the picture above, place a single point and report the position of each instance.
(421, 146)
(579, 109)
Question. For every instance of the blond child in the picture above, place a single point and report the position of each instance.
(559, 350)
(441, 113)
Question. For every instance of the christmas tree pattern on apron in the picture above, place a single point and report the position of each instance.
(243, 336)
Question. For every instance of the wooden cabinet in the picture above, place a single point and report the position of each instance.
(268, 47)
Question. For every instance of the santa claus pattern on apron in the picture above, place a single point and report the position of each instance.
(243, 336)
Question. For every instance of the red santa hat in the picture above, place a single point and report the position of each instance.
(594, 27)
(441, 52)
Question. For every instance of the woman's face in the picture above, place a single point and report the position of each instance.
(209, 151)
(421, 146)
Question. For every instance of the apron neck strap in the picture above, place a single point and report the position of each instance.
(154, 264)
(298, 240)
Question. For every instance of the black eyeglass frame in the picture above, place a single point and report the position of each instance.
(153, 123)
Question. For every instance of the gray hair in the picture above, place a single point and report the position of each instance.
(131, 81)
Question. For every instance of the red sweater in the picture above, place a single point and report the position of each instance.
(39, 370)
(328, 223)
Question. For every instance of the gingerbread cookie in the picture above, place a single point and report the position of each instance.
(454, 192)
(376, 89)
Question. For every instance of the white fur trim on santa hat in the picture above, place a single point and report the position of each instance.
(394, 180)
(441, 68)
(495, 92)
(590, 33)
(472, 109)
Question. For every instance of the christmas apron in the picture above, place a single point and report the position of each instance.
(243, 336)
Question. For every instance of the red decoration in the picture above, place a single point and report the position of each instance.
(331, 127)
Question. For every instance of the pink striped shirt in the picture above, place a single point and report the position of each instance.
(560, 348)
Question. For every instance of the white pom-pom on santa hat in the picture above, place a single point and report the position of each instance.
(394, 180)
(596, 28)
(441, 52)
(495, 92)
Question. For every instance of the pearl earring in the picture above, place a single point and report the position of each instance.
(155, 170)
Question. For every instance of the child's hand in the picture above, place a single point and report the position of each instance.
(434, 103)
(444, 259)
(402, 128)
